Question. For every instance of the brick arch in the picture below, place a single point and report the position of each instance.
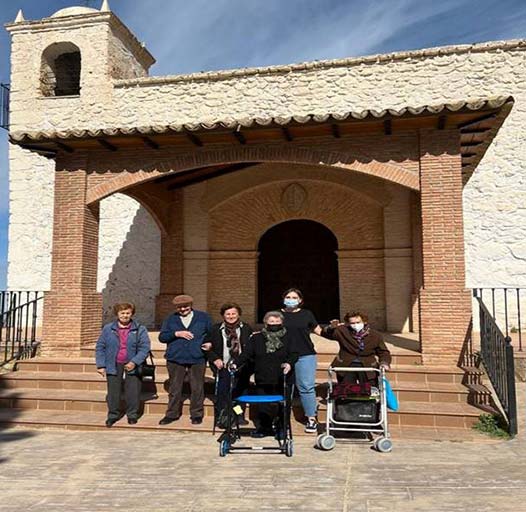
(386, 171)
(259, 209)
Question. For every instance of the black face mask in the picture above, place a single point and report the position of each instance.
(274, 328)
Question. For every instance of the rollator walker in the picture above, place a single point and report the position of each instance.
(232, 433)
(369, 415)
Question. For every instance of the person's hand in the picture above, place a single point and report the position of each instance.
(206, 346)
(101, 372)
(335, 323)
(129, 366)
(286, 368)
(219, 364)
(385, 367)
(232, 367)
(187, 335)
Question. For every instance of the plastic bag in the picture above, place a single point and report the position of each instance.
(392, 401)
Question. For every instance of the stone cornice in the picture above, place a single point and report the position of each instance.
(492, 46)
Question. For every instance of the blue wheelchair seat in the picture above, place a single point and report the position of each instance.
(259, 399)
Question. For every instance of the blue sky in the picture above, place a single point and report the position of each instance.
(199, 35)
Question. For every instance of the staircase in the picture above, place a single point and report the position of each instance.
(68, 393)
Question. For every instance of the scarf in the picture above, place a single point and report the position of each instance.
(232, 339)
(360, 336)
(273, 340)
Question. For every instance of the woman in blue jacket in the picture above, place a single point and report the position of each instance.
(122, 346)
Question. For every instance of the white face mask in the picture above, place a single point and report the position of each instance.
(357, 327)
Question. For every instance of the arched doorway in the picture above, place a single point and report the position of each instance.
(302, 254)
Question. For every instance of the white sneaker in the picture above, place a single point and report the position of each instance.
(311, 427)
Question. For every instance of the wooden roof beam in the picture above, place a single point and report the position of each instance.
(194, 139)
(108, 145)
(473, 131)
(64, 147)
(286, 134)
(478, 120)
(150, 143)
(240, 137)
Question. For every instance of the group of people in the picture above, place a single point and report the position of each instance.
(283, 348)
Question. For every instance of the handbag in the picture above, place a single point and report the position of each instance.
(146, 371)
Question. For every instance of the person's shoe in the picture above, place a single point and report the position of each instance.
(197, 420)
(167, 420)
(259, 433)
(132, 421)
(110, 423)
(311, 427)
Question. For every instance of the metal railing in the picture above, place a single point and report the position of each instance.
(496, 354)
(505, 305)
(4, 106)
(19, 312)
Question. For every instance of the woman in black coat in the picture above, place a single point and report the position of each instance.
(229, 339)
(273, 355)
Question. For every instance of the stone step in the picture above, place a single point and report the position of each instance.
(398, 373)
(406, 390)
(404, 348)
(428, 414)
(77, 420)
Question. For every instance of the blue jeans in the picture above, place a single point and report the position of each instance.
(305, 370)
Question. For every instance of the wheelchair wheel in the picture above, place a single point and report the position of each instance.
(383, 445)
(326, 442)
(289, 447)
(224, 447)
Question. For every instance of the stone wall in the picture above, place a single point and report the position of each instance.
(129, 257)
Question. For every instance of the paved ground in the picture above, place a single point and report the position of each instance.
(55, 471)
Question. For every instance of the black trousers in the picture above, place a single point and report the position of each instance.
(132, 391)
(241, 384)
(177, 373)
(269, 412)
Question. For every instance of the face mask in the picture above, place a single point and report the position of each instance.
(274, 328)
(357, 327)
(291, 303)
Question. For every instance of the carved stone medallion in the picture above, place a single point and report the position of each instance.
(293, 198)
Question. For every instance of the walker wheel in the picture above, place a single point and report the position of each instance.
(383, 445)
(318, 439)
(224, 447)
(326, 442)
(289, 447)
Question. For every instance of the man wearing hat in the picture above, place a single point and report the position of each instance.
(185, 332)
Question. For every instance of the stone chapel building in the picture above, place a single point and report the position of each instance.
(371, 183)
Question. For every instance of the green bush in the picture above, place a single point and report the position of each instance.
(492, 425)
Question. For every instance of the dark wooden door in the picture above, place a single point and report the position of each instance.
(300, 254)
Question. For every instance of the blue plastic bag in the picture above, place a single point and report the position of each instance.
(392, 401)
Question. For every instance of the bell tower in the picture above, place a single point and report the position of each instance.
(63, 67)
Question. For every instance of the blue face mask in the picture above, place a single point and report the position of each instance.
(291, 303)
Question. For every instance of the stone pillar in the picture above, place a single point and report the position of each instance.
(445, 304)
(172, 260)
(72, 308)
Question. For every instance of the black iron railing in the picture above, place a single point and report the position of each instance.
(19, 314)
(496, 353)
(4, 106)
(505, 305)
